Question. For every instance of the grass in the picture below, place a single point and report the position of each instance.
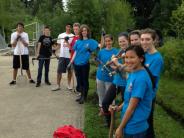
(171, 95)
(93, 123)
(165, 126)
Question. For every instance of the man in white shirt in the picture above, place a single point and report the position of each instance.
(20, 41)
(64, 41)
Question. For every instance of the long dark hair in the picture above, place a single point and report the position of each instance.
(88, 31)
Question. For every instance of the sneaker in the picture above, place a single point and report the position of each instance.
(47, 82)
(37, 84)
(13, 82)
(56, 88)
(31, 81)
(69, 88)
(78, 94)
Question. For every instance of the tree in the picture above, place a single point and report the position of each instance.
(11, 11)
(177, 21)
(114, 16)
(86, 12)
(161, 14)
(118, 17)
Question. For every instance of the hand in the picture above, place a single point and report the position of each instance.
(37, 57)
(114, 60)
(115, 108)
(18, 37)
(119, 133)
(112, 108)
(66, 38)
(69, 66)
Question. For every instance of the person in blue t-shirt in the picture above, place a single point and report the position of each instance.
(83, 49)
(137, 96)
(119, 81)
(154, 61)
(103, 79)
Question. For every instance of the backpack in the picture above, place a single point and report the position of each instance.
(68, 131)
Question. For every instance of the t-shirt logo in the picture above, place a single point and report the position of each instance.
(86, 46)
(46, 42)
(147, 65)
(130, 87)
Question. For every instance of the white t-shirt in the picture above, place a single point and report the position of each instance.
(64, 51)
(20, 49)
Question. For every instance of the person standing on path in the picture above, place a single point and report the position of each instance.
(83, 49)
(64, 41)
(44, 50)
(20, 42)
(71, 75)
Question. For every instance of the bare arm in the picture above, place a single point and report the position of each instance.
(38, 49)
(73, 57)
(130, 110)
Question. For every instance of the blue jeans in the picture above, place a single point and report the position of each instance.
(46, 63)
(138, 135)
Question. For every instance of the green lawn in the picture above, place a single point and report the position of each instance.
(171, 95)
(165, 126)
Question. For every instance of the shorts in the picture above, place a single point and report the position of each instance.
(62, 64)
(25, 62)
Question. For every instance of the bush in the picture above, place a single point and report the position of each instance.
(173, 54)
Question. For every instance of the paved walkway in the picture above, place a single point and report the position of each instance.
(30, 112)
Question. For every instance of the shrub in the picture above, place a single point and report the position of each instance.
(173, 54)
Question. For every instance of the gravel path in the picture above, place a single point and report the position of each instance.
(30, 112)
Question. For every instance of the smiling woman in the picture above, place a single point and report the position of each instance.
(137, 97)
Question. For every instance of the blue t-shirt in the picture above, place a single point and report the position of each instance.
(119, 77)
(105, 55)
(139, 85)
(155, 64)
(83, 50)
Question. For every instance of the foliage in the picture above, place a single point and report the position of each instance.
(86, 12)
(177, 21)
(154, 13)
(173, 54)
(161, 14)
(55, 19)
(11, 12)
(114, 16)
(118, 17)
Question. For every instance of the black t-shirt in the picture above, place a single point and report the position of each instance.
(46, 45)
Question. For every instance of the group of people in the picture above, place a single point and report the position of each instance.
(74, 49)
(133, 70)
(137, 68)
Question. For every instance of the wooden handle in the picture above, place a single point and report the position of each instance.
(112, 124)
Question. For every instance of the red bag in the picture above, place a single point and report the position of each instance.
(68, 131)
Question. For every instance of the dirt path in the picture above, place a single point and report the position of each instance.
(30, 112)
